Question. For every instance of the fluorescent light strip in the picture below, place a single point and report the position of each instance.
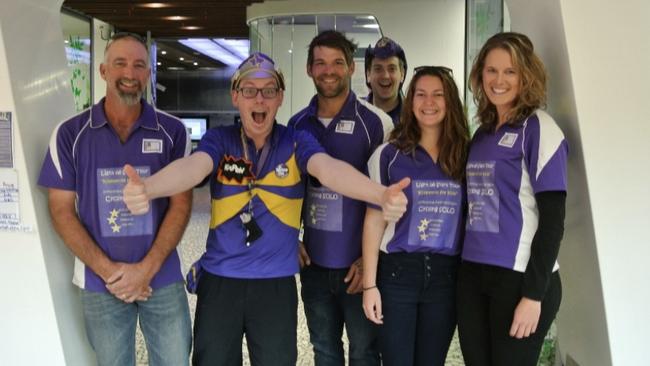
(212, 49)
(239, 47)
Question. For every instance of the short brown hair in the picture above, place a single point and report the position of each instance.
(332, 39)
(454, 138)
(532, 80)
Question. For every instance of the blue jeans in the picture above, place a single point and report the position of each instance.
(164, 320)
(418, 294)
(327, 308)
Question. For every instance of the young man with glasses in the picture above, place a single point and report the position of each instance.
(247, 281)
(127, 267)
(350, 129)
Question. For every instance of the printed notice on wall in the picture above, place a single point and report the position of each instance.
(6, 141)
(9, 202)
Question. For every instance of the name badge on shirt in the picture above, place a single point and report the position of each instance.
(152, 146)
(345, 126)
(508, 139)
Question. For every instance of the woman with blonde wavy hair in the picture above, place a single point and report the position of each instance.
(509, 287)
(409, 280)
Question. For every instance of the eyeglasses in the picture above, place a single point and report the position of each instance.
(250, 93)
(434, 69)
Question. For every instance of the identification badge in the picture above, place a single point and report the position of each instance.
(345, 126)
(508, 139)
(152, 146)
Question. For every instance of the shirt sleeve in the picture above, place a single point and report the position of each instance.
(58, 170)
(546, 153)
(378, 169)
(306, 147)
(212, 144)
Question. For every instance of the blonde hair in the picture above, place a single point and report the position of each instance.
(532, 80)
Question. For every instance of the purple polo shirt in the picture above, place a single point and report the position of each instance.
(86, 156)
(394, 113)
(276, 196)
(332, 222)
(433, 220)
(505, 170)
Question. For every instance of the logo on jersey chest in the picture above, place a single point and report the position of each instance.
(237, 169)
(508, 139)
(281, 171)
(345, 126)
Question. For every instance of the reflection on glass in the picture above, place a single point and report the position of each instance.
(286, 39)
(76, 36)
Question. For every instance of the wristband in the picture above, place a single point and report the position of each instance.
(369, 288)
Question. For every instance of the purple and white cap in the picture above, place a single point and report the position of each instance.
(384, 48)
(257, 66)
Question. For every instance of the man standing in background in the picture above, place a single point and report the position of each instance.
(126, 266)
(386, 68)
(349, 128)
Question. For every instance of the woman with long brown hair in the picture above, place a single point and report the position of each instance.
(410, 266)
(508, 286)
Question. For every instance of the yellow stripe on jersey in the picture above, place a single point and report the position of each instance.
(285, 209)
(225, 208)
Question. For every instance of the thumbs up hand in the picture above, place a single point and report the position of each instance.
(394, 200)
(134, 192)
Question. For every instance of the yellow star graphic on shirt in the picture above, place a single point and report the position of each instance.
(112, 220)
(423, 236)
(424, 223)
(114, 213)
(313, 220)
(116, 228)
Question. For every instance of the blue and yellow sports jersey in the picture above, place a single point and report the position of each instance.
(277, 195)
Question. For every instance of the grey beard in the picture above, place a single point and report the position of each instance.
(130, 99)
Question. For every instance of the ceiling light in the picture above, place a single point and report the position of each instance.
(176, 17)
(191, 27)
(214, 50)
(159, 63)
(238, 47)
(196, 64)
(371, 26)
(163, 52)
(154, 5)
(181, 58)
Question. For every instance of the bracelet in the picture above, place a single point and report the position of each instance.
(369, 288)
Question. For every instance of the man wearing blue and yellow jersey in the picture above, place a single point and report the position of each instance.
(256, 174)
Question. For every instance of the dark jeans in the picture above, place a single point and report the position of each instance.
(265, 309)
(487, 298)
(327, 308)
(418, 296)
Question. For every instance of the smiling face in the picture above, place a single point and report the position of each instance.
(330, 72)
(501, 81)
(125, 70)
(257, 113)
(429, 106)
(385, 76)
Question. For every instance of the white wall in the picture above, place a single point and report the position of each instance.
(40, 309)
(101, 34)
(598, 53)
(430, 31)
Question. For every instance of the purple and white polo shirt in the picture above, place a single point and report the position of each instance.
(332, 222)
(432, 222)
(86, 156)
(505, 170)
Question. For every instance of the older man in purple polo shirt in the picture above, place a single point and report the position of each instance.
(126, 266)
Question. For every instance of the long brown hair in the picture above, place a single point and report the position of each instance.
(454, 136)
(532, 79)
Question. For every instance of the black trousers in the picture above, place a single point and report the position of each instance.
(486, 300)
(263, 309)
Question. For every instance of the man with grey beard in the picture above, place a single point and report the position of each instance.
(126, 266)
